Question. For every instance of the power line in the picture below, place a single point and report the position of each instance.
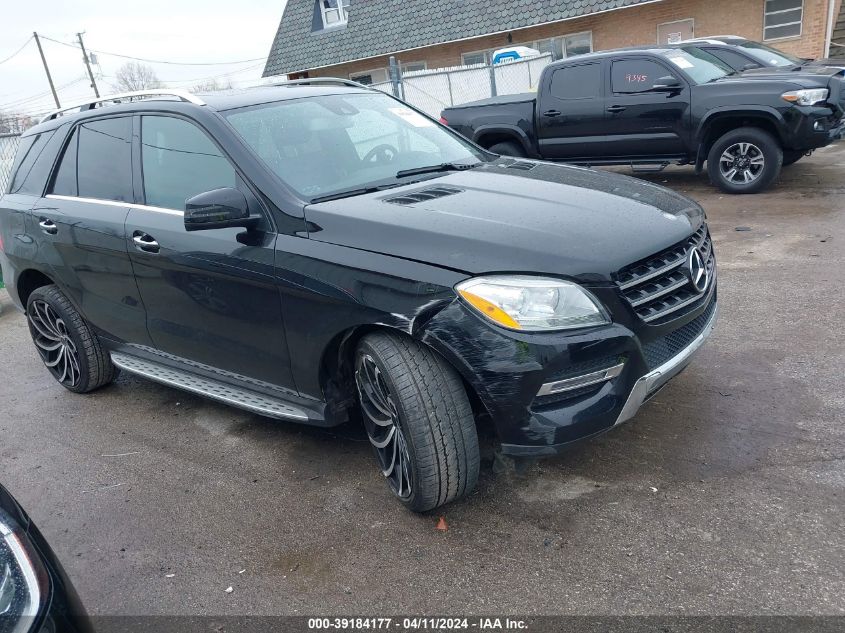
(23, 46)
(36, 97)
(158, 61)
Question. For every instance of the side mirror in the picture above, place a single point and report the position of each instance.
(218, 209)
(750, 66)
(666, 84)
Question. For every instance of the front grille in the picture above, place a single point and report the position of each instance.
(660, 285)
(659, 351)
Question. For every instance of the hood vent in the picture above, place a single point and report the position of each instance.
(423, 194)
(522, 165)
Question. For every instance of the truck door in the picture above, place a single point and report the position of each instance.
(571, 112)
(643, 121)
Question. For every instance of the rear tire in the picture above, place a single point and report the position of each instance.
(745, 160)
(508, 148)
(68, 347)
(419, 420)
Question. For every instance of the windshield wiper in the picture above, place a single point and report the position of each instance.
(349, 193)
(432, 169)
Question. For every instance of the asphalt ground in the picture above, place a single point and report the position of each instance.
(724, 495)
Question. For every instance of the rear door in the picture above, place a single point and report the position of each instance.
(79, 225)
(570, 112)
(643, 122)
(211, 295)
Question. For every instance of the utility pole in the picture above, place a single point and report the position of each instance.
(46, 70)
(88, 66)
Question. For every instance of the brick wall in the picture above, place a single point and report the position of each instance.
(634, 26)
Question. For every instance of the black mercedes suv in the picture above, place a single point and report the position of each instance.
(319, 251)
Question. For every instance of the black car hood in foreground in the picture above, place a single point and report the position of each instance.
(551, 219)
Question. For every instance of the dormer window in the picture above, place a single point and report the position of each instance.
(335, 12)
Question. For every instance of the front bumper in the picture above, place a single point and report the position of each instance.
(649, 384)
(607, 373)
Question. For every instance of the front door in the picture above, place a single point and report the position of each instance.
(211, 296)
(644, 122)
(570, 112)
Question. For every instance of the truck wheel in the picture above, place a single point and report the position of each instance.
(508, 148)
(419, 421)
(791, 156)
(745, 160)
(67, 346)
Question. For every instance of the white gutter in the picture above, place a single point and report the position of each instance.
(472, 37)
(830, 18)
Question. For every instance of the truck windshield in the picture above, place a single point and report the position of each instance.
(769, 56)
(699, 65)
(325, 145)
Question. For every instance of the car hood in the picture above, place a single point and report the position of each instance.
(502, 217)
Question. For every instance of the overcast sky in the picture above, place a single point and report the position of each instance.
(170, 30)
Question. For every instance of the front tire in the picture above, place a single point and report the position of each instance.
(419, 421)
(745, 160)
(70, 351)
(508, 148)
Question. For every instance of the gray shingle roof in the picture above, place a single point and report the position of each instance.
(378, 27)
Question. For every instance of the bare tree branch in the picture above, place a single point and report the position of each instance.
(133, 76)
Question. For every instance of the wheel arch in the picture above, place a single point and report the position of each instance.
(336, 373)
(28, 281)
(488, 135)
(719, 122)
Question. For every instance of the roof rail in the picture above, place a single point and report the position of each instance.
(319, 80)
(92, 103)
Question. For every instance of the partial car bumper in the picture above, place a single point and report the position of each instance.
(543, 393)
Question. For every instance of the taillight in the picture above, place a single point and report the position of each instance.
(444, 121)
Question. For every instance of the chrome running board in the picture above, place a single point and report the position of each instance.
(223, 392)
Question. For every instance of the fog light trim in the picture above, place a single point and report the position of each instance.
(584, 380)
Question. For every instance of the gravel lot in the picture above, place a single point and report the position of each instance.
(725, 495)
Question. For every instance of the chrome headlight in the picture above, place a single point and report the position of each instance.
(532, 304)
(21, 593)
(810, 96)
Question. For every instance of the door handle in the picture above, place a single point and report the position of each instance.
(48, 226)
(616, 108)
(552, 113)
(144, 242)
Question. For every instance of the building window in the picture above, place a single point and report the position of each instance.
(369, 77)
(566, 46)
(782, 19)
(413, 66)
(334, 12)
(477, 57)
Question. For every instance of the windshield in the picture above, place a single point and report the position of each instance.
(700, 65)
(334, 143)
(770, 56)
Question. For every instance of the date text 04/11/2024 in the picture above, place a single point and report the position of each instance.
(417, 623)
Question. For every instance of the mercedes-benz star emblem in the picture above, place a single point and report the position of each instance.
(697, 270)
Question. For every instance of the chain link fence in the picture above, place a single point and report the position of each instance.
(8, 147)
(433, 90)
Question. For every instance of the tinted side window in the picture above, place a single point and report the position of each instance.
(577, 82)
(64, 182)
(24, 150)
(104, 159)
(734, 60)
(630, 76)
(179, 161)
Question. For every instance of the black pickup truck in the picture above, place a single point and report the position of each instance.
(652, 107)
